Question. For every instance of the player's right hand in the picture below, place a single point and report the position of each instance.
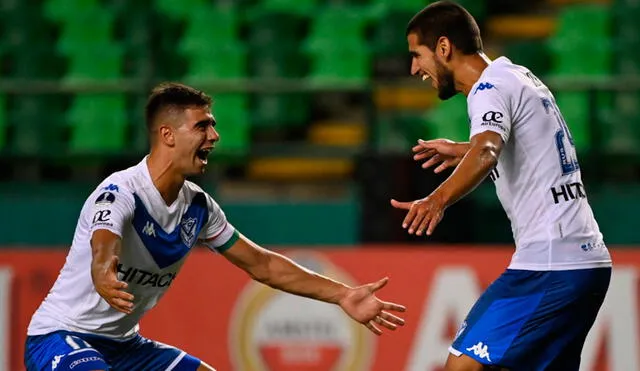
(113, 290)
(444, 151)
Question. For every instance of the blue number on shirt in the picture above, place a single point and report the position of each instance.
(567, 153)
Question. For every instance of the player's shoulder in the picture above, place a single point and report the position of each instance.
(123, 183)
(502, 76)
(194, 193)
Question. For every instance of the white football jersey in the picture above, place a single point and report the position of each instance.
(537, 178)
(156, 240)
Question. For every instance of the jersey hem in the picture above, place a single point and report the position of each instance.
(561, 267)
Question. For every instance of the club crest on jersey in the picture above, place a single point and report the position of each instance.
(187, 231)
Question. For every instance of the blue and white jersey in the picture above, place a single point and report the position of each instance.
(156, 239)
(537, 179)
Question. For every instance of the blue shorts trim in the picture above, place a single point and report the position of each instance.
(534, 320)
(71, 351)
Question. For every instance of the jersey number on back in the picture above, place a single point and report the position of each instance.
(563, 140)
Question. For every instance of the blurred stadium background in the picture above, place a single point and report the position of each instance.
(317, 114)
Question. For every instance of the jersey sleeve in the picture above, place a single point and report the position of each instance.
(111, 207)
(489, 110)
(218, 234)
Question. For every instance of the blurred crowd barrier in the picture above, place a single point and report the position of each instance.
(215, 312)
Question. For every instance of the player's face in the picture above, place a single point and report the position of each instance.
(194, 140)
(427, 64)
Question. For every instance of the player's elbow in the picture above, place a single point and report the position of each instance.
(488, 154)
(261, 270)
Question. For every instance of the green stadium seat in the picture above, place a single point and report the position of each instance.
(530, 53)
(179, 10)
(36, 125)
(273, 110)
(65, 10)
(101, 63)
(222, 64)
(3, 121)
(78, 34)
(302, 8)
(98, 123)
(388, 33)
(575, 110)
(449, 120)
(231, 112)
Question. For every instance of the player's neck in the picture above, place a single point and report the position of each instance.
(164, 176)
(469, 71)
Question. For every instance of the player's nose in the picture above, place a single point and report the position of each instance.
(212, 134)
(414, 67)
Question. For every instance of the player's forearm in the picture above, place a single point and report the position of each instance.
(283, 274)
(103, 248)
(472, 170)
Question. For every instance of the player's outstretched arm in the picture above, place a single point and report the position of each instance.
(105, 247)
(445, 152)
(281, 273)
(482, 156)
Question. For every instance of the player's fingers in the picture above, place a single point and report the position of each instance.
(120, 285)
(373, 328)
(121, 305)
(409, 217)
(417, 220)
(393, 306)
(433, 223)
(423, 224)
(401, 205)
(424, 154)
(432, 161)
(380, 284)
(123, 295)
(417, 148)
(383, 322)
(392, 318)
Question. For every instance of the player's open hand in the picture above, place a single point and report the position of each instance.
(445, 152)
(113, 290)
(424, 214)
(361, 304)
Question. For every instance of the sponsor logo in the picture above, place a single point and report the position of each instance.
(102, 217)
(84, 360)
(56, 361)
(272, 330)
(145, 278)
(483, 86)
(567, 192)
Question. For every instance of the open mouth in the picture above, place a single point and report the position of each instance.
(203, 153)
(425, 77)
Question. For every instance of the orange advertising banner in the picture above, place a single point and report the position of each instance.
(215, 312)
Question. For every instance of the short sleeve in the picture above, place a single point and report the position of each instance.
(111, 208)
(218, 234)
(489, 110)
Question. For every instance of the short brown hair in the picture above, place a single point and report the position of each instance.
(448, 19)
(172, 96)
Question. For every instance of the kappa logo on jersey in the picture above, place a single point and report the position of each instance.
(106, 198)
(187, 231)
(483, 86)
(145, 278)
(56, 361)
(481, 350)
(111, 187)
(149, 229)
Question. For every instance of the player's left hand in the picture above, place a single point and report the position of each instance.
(423, 214)
(362, 305)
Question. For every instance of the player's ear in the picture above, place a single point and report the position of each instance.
(443, 48)
(167, 135)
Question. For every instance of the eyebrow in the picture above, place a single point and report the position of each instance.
(414, 53)
(211, 122)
